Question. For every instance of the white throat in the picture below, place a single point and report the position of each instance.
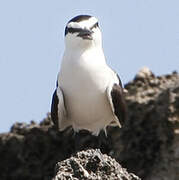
(92, 55)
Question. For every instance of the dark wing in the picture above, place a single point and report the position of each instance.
(54, 108)
(117, 101)
(58, 111)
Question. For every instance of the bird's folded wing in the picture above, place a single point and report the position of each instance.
(116, 99)
(58, 110)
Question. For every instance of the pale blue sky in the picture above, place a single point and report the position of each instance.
(136, 33)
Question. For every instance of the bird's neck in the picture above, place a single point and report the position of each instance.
(94, 53)
(80, 50)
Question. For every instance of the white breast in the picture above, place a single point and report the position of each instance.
(84, 79)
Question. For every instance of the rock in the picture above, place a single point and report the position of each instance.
(150, 135)
(91, 165)
(147, 145)
(144, 73)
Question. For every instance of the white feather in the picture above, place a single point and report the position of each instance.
(83, 24)
(62, 114)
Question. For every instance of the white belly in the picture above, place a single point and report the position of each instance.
(84, 86)
(89, 111)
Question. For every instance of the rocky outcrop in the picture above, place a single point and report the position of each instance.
(91, 165)
(150, 136)
(147, 145)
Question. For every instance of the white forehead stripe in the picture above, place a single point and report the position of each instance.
(83, 24)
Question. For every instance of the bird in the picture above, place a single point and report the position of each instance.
(89, 94)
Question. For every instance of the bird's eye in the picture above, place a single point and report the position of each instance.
(96, 25)
(71, 30)
(74, 30)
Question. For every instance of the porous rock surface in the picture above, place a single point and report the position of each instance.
(91, 165)
(147, 145)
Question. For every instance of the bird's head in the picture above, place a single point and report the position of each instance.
(82, 32)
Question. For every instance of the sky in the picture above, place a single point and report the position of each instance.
(136, 33)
